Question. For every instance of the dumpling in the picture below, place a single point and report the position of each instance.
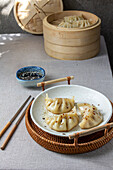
(84, 23)
(81, 24)
(83, 107)
(63, 122)
(75, 22)
(59, 105)
(70, 19)
(78, 18)
(90, 116)
(65, 24)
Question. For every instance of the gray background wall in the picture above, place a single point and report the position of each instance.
(102, 8)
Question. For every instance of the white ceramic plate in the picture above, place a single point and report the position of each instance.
(82, 94)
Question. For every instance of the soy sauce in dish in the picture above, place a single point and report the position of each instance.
(30, 75)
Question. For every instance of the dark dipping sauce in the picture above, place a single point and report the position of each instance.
(30, 75)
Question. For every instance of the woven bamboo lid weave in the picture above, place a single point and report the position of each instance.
(30, 13)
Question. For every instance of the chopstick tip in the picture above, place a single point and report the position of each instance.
(2, 148)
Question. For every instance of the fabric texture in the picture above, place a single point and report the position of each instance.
(22, 152)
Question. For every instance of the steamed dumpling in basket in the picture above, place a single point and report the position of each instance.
(59, 105)
(75, 22)
(70, 19)
(81, 24)
(65, 25)
(91, 116)
(62, 122)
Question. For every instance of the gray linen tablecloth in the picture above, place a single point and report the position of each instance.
(22, 152)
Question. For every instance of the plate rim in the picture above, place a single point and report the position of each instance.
(72, 85)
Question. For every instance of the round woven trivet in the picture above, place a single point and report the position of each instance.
(29, 14)
(63, 144)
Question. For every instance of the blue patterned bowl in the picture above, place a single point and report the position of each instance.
(30, 76)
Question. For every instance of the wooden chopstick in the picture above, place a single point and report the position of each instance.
(14, 117)
(14, 128)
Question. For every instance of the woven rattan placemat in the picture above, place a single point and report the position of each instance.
(64, 144)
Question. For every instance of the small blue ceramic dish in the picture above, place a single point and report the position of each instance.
(30, 76)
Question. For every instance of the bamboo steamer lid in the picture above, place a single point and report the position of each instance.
(29, 14)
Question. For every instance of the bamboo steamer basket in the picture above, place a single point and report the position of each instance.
(30, 13)
(71, 43)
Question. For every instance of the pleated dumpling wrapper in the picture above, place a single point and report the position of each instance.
(59, 105)
(65, 25)
(70, 19)
(62, 122)
(81, 24)
(91, 116)
(75, 22)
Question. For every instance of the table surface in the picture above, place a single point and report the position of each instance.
(22, 152)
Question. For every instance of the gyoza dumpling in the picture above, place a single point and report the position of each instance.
(78, 18)
(75, 22)
(70, 19)
(81, 24)
(65, 24)
(63, 122)
(91, 116)
(84, 23)
(59, 105)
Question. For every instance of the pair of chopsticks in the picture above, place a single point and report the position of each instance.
(16, 124)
